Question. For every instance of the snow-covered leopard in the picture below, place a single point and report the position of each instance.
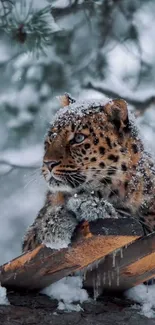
(95, 166)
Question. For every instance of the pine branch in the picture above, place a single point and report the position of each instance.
(29, 28)
(5, 8)
(59, 12)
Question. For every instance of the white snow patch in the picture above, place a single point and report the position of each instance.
(29, 157)
(146, 124)
(91, 93)
(62, 4)
(122, 90)
(4, 168)
(21, 98)
(145, 295)
(143, 20)
(5, 53)
(123, 53)
(69, 293)
(3, 297)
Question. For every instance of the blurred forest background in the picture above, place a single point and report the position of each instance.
(85, 47)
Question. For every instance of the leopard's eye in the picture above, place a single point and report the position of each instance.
(78, 138)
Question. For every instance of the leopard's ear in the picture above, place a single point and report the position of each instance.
(117, 112)
(66, 100)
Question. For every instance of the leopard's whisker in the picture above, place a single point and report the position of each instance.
(30, 182)
(77, 178)
(71, 180)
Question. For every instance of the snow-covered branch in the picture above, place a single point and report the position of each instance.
(71, 8)
(6, 167)
(28, 26)
(140, 103)
(29, 158)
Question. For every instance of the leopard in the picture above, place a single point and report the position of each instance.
(96, 166)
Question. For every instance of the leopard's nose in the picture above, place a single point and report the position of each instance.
(51, 164)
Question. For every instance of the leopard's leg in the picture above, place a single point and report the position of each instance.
(31, 240)
(53, 226)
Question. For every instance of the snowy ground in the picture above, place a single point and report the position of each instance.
(69, 293)
(3, 296)
(145, 296)
(107, 310)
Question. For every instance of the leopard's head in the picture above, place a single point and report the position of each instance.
(88, 145)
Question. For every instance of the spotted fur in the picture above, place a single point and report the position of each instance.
(110, 158)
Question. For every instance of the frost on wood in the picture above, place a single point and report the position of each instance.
(3, 296)
(69, 293)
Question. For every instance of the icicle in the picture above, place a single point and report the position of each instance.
(147, 286)
(121, 252)
(95, 291)
(112, 275)
(114, 258)
(96, 263)
(117, 274)
(98, 279)
(109, 278)
(84, 275)
(96, 285)
(104, 277)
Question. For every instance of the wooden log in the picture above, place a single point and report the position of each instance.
(124, 268)
(43, 266)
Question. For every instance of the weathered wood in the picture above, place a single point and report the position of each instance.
(117, 269)
(42, 266)
(117, 262)
(125, 268)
